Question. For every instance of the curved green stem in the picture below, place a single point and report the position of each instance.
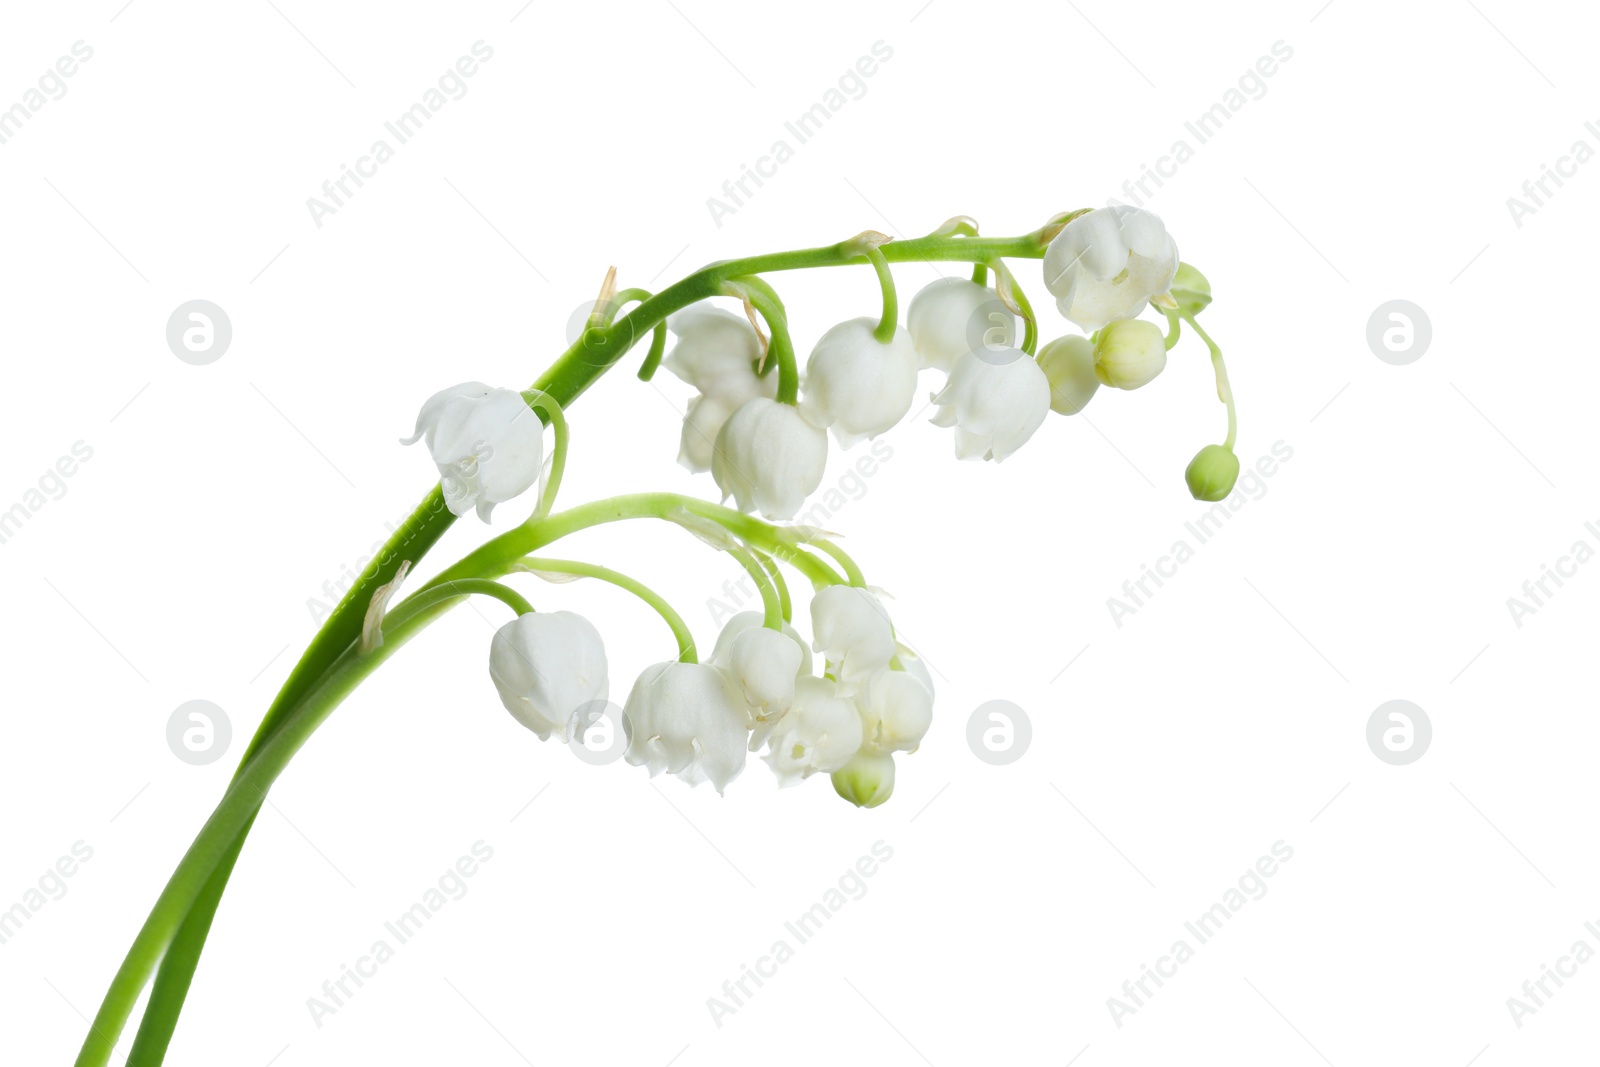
(890, 320)
(1174, 329)
(1030, 322)
(457, 589)
(625, 296)
(685, 639)
(776, 574)
(578, 368)
(769, 595)
(542, 401)
(658, 348)
(219, 840)
(1224, 387)
(765, 300)
(851, 571)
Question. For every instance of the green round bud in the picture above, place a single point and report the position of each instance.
(1191, 290)
(867, 780)
(1212, 472)
(1068, 365)
(1129, 353)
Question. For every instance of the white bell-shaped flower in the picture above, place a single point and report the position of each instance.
(857, 385)
(721, 653)
(487, 443)
(1109, 264)
(820, 733)
(1130, 354)
(705, 418)
(763, 669)
(995, 399)
(953, 316)
(1068, 364)
(896, 711)
(547, 666)
(716, 353)
(765, 664)
(686, 719)
(769, 458)
(851, 628)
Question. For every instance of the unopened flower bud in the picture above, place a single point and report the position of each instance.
(867, 780)
(1068, 362)
(1130, 353)
(1191, 290)
(1212, 472)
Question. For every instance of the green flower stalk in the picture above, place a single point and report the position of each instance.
(761, 428)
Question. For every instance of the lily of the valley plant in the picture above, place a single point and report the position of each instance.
(843, 703)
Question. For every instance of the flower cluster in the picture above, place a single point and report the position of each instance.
(760, 426)
(758, 692)
(1104, 267)
(844, 703)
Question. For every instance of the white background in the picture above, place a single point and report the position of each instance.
(1227, 714)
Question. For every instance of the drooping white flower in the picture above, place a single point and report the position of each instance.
(686, 719)
(769, 458)
(915, 666)
(953, 316)
(1109, 264)
(1130, 354)
(487, 443)
(852, 629)
(716, 353)
(705, 418)
(820, 733)
(750, 620)
(1068, 364)
(857, 384)
(995, 399)
(896, 711)
(763, 664)
(547, 666)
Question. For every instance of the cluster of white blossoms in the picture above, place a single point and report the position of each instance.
(758, 692)
(761, 428)
(1104, 268)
